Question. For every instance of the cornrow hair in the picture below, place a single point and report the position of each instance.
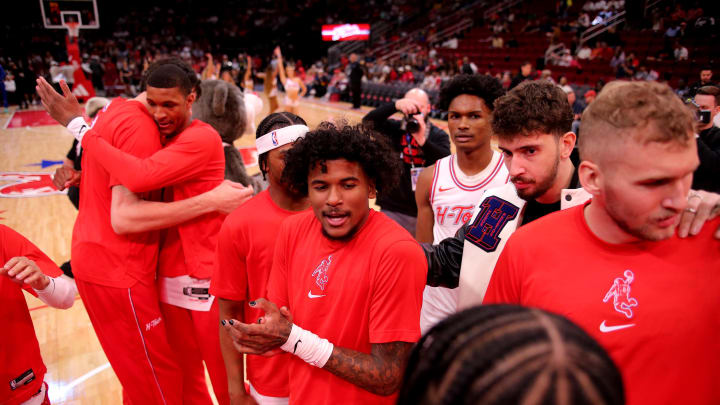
(506, 354)
(272, 122)
(175, 61)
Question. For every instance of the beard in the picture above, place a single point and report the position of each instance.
(540, 187)
(645, 231)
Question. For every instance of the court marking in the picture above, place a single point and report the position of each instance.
(9, 119)
(58, 392)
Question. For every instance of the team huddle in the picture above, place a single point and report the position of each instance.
(530, 278)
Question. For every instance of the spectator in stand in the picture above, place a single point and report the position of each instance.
(407, 75)
(496, 42)
(705, 80)
(418, 149)
(584, 52)
(707, 175)
(357, 71)
(526, 73)
(680, 52)
(468, 67)
(603, 51)
(618, 58)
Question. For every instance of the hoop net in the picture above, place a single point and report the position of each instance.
(73, 29)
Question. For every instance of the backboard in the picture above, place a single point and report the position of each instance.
(55, 13)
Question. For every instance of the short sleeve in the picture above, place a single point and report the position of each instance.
(504, 286)
(229, 279)
(397, 290)
(12, 244)
(278, 282)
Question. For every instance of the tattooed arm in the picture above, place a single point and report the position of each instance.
(379, 372)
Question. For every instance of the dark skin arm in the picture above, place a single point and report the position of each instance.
(425, 218)
(379, 372)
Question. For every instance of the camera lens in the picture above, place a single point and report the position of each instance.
(412, 125)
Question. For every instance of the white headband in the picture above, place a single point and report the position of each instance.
(280, 137)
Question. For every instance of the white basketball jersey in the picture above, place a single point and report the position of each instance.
(453, 198)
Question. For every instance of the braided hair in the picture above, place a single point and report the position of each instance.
(270, 123)
(505, 354)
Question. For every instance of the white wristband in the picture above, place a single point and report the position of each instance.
(78, 127)
(308, 346)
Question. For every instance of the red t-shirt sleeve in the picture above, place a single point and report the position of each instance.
(505, 284)
(229, 279)
(12, 244)
(278, 281)
(397, 292)
(181, 160)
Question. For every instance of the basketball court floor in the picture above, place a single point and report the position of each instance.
(33, 146)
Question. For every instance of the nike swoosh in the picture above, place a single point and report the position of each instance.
(440, 189)
(605, 329)
(311, 295)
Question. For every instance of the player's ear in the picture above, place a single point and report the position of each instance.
(372, 191)
(567, 143)
(591, 178)
(191, 98)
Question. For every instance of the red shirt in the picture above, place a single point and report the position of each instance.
(99, 255)
(193, 162)
(654, 306)
(357, 293)
(19, 349)
(244, 258)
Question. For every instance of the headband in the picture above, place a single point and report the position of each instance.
(280, 137)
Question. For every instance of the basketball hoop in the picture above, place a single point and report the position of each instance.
(73, 28)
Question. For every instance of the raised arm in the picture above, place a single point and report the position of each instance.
(280, 65)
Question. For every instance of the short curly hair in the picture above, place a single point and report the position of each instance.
(537, 106)
(355, 143)
(485, 87)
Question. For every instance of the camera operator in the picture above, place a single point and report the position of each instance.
(707, 175)
(418, 143)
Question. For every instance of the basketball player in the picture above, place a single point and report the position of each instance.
(344, 271)
(244, 258)
(25, 267)
(115, 250)
(294, 86)
(448, 190)
(190, 163)
(649, 297)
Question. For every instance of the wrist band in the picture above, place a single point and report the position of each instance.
(280, 137)
(308, 346)
(77, 128)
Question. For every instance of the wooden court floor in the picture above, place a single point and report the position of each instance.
(78, 371)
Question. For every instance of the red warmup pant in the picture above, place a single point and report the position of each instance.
(194, 336)
(131, 331)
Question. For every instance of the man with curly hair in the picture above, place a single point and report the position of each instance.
(447, 191)
(348, 279)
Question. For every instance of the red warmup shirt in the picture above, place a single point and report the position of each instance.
(357, 293)
(654, 306)
(244, 258)
(192, 162)
(99, 255)
(19, 349)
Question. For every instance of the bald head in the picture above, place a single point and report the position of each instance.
(420, 96)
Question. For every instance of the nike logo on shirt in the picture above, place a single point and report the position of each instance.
(311, 295)
(440, 189)
(605, 328)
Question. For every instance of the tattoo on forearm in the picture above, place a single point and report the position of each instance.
(379, 372)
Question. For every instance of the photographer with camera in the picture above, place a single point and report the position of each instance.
(418, 143)
(707, 175)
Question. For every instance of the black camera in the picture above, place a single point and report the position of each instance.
(410, 125)
(703, 116)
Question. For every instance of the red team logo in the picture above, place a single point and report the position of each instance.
(27, 184)
(620, 293)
